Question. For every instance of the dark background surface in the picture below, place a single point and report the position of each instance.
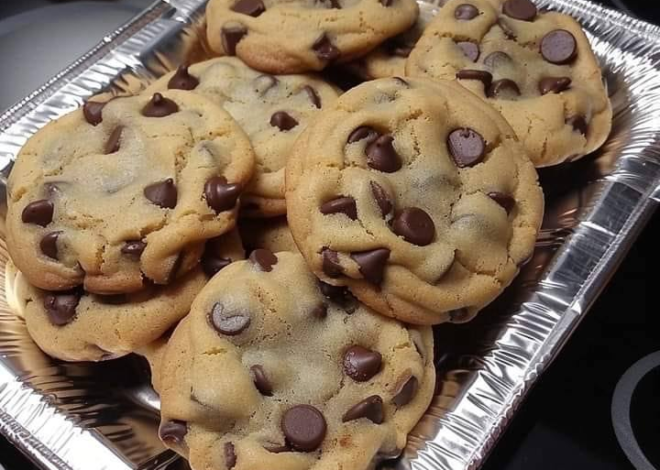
(565, 423)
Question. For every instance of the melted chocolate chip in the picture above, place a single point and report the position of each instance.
(230, 455)
(325, 50)
(320, 311)
(261, 380)
(159, 107)
(363, 132)
(406, 392)
(251, 8)
(370, 408)
(467, 147)
(554, 85)
(112, 144)
(173, 432)
(504, 200)
(230, 323)
(283, 121)
(484, 77)
(372, 264)
(559, 47)
(382, 199)
(382, 156)
(220, 195)
(331, 266)
(466, 12)
(61, 307)
(313, 96)
(231, 36)
(163, 194)
(341, 205)
(93, 112)
(497, 59)
(265, 259)
(503, 89)
(415, 226)
(470, 50)
(182, 80)
(523, 10)
(38, 212)
(133, 248)
(304, 427)
(579, 124)
(48, 244)
(361, 364)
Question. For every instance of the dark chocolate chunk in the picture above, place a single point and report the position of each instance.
(503, 89)
(484, 77)
(363, 132)
(331, 266)
(283, 121)
(559, 47)
(467, 147)
(504, 200)
(93, 112)
(370, 408)
(48, 244)
(61, 307)
(230, 323)
(519, 9)
(382, 156)
(304, 427)
(220, 195)
(579, 124)
(230, 455)
(163, 194)
(313, 96)
(38, 212)
(497, 59)
(406, 392)
(182, 80)
(159, 107)
(173, 432)
(341, 205)
(231, 36)
(265, 259)
(415, 226)
(382, 199)
(251, 8)
(325, 50)
(112, 144)
(466, 12)
(361, 364)
(470, 49)
(372, 264)
(261, 380)
(133, 248)
(554, 85)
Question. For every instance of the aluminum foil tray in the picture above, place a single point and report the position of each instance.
(104, 416)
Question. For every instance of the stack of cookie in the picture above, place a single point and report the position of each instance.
(278, 248)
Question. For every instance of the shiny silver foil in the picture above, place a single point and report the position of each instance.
(104, 416)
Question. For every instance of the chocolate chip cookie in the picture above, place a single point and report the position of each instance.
(77, 326)
(417, 195)
(272, 234)
(536, 68)
(265, 375)
(273, 111)
(115, 193)
(294, 36)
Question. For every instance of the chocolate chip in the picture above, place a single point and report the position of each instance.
(519, 9)
(283, 121)
(331, 266)
(173, 432)
(559, 47)
(370, 408)
(171, 276)
(112, 144)
(230, 323)
(265, 259)
(361, 364)
(304, 427)
(231, 36)
(133, 248)
(340, 296)
(335, 4)
(163, 194)
(504, 200)
(220, 195)
(579, 124)
(363, 132)
(261, 380)
(386, 3)
(313, 96)
(251, 8)
(497, 59)
(93, 112)
(466, 146)
(554, 85)
(48, 244)
(159, 107)
(382, 156)
(325, 50)
(230, 455)
(277, 449)
(484, 77)
(466, 12)
(470, 50)
(372, 264)
(406, 392)
(341, 205)
(320, 311)
(61, 307)
(503, 89)
(415, 226)
(182, 80)
(506, 29)
(38, 212)
(382, 199)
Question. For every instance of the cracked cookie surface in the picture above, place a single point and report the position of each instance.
(293, 36)
(115, 193)
(272, 111)
(536, 68)
(260, 375)
(417, 195)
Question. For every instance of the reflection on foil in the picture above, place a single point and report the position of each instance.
(104, 416)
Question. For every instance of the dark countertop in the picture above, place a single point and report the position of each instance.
(565, 423)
